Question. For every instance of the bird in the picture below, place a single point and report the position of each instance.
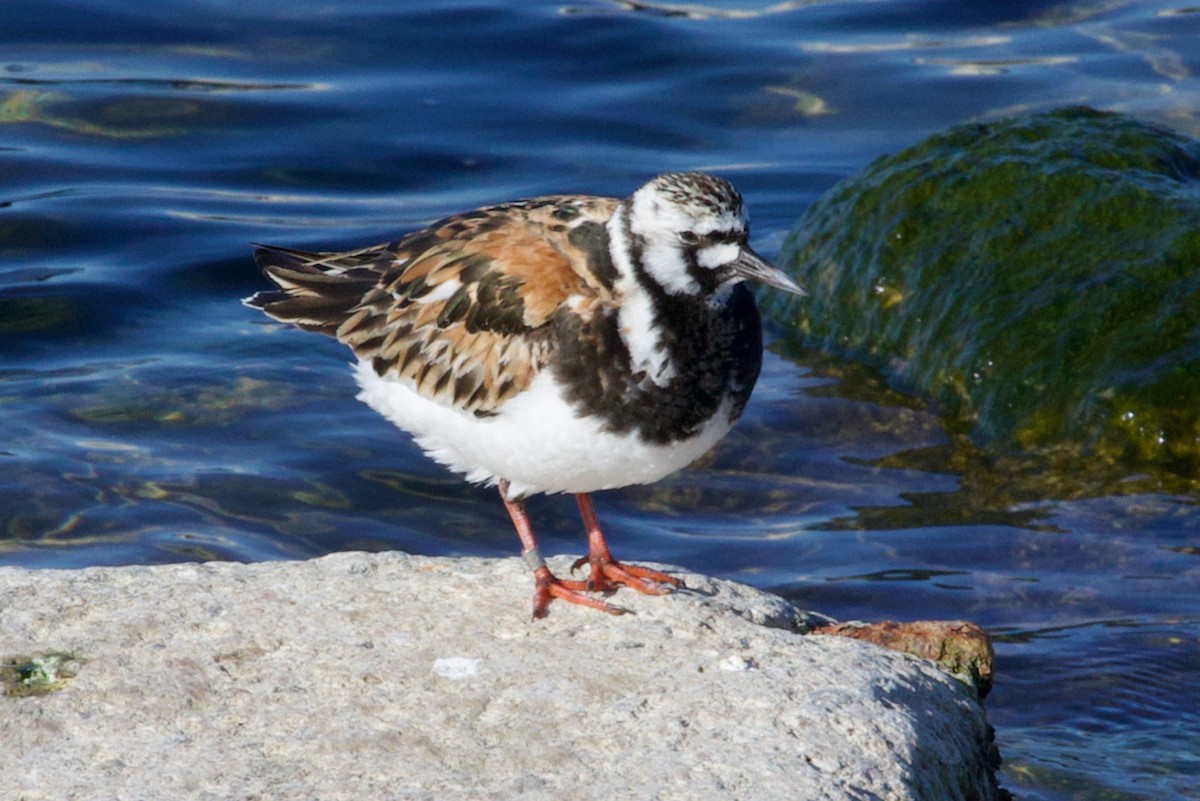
(558, 344)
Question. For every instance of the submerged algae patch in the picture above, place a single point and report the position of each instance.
(1038, 277)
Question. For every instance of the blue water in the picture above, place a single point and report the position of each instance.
(148, 417)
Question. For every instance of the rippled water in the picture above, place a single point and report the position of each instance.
(148, 417)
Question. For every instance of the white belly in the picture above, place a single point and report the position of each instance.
(536, 440)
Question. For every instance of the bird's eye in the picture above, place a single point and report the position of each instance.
(689, 238)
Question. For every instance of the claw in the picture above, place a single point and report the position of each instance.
(548, 586)
(607, 574)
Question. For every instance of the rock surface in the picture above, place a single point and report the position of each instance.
(371, 676)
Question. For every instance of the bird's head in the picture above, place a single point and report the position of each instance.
(690, 234)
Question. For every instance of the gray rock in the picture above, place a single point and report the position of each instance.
(400, 677)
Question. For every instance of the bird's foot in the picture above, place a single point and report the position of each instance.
(607, 574)
(548, 586)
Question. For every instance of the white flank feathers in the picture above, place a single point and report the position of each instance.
(536, 441)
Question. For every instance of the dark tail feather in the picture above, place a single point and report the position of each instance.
(316, 291)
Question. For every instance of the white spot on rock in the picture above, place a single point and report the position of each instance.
(736, 664)
(456, 668)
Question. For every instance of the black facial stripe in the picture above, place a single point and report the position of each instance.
(706, 278)
(730, 238)
(724, 238)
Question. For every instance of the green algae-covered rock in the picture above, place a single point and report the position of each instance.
(1038, 277)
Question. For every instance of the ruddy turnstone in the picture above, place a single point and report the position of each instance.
(559, 344)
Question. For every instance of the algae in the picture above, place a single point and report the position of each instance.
(42, 674)
(1038, 278)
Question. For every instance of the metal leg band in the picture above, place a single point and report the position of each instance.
(533, 558)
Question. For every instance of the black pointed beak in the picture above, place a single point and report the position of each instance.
(753, 267)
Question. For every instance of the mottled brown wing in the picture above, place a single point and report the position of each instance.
(459, 310)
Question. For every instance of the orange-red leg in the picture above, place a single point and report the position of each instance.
(607, 573)
(546, 585)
